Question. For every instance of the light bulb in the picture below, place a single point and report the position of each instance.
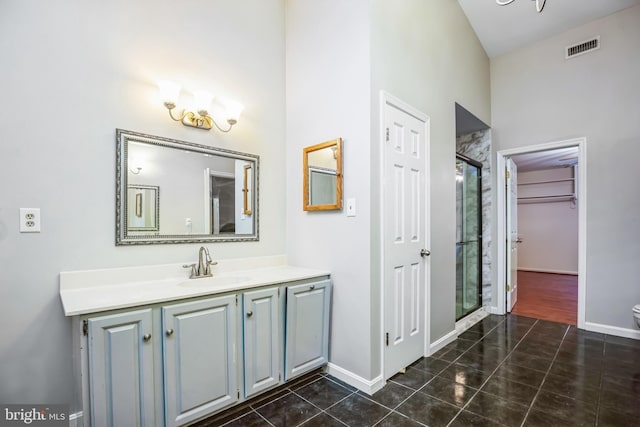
(233, 110)
(203, 101)
(169, 92)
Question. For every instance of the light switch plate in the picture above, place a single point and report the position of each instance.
(351, 207)
(29, 220)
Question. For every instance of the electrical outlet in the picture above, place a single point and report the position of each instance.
(29, 220)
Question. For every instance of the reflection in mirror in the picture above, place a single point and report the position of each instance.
(143, 214)
(322, 169)
(203, 192)
(248, 193)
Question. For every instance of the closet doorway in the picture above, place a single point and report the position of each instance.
(549, 271)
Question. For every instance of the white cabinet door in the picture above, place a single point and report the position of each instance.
(307, 327)
(200, 369)
(261, 314)
(121, 369)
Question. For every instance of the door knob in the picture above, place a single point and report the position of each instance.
(146, 337)
(249, 313)
(169, 332)
(424, 253)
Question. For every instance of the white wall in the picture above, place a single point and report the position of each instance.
(339, 56)
(549, 231)
(426, 53)
(74, 71)
(328, 68)
(538, 96)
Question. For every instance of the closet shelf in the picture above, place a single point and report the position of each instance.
(548, 199)
(547, 182)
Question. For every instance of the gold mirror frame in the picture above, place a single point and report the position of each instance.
(334, 149)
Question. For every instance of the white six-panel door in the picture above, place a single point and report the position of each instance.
(404, 235)
(512, 234)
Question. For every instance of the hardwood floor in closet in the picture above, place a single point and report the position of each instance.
(547, 296)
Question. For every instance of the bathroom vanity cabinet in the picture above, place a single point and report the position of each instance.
(121, 368)
(175, 362)
(307, 340)
(199, 357)
(262, 340)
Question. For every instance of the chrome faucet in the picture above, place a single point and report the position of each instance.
(204, 265)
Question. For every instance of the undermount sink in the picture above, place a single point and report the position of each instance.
(214, 281)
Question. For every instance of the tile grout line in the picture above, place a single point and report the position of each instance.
(555, 356)
(600, 390)
(351, 393)
(492, 373)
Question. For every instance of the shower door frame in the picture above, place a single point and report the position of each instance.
(478, 165)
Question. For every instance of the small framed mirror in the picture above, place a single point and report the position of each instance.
(322, 176)
(170, 191)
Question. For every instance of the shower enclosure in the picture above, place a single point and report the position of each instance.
(468, 236)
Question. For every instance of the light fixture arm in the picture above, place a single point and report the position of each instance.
(539, 3)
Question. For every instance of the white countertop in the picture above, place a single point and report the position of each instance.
(92, 291)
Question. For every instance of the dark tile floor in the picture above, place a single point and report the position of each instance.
(504, 371)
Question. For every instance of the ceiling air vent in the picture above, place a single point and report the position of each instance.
(582, 47)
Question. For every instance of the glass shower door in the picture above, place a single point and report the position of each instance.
(468, 236)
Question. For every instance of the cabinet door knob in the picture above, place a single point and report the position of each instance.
(146, 337)
(249, 313)
(312, 287)
(169, 332)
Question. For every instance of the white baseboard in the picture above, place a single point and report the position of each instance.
(441, 342)
(75, 419)
(493, 310)
(612, 330)
(470, 320)
(367, 386)
(547, 270)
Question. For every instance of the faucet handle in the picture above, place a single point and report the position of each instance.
(194, 272)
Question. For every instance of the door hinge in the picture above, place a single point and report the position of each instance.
(279, 377)
(507, 174)
(386, 135)
(236, 300)
(278, 291)
(238, 394)
(387, 338)
(508, 287)
(85, 327)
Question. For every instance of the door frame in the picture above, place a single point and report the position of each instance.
(581, 144)
(388, 99)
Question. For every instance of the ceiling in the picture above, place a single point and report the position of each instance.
(466, 122)
(502, 29)
(550, 159)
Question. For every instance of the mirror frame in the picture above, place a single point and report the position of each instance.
(337, 143)
(123, 237)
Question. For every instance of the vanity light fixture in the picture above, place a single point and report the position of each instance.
(539, 4)
(170, 91)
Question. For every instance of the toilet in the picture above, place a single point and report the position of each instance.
(636, 314)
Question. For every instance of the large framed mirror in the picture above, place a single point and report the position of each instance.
(170, 191)
(322, 176)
